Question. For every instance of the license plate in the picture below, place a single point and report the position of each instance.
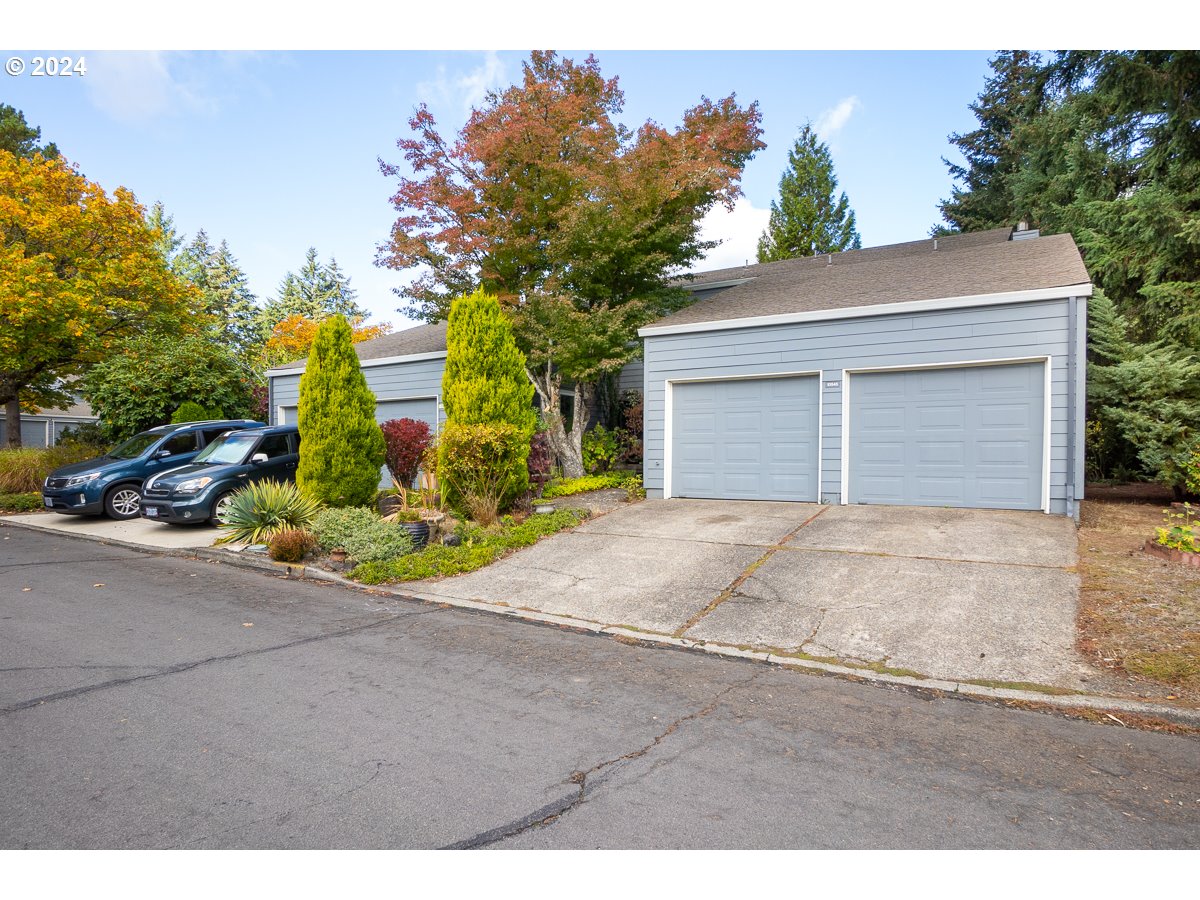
(151, 512)
(49, 502)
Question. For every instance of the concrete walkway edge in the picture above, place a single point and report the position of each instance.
(1095, 702)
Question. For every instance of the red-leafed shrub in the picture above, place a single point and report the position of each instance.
(540, 459)
(406, 440)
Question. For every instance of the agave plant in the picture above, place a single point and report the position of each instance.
(265, 508)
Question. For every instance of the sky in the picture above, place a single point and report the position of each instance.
(278, 151)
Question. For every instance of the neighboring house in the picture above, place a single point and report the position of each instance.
(404, 370)
(45, 427)
(942, 372)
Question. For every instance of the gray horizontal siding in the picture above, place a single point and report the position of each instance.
(999, 332)
(632, 376)
(397, 381)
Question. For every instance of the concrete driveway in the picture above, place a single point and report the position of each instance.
(947, 593)
(132, 531)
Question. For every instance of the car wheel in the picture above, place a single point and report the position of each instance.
(123, 502)
(220, 505)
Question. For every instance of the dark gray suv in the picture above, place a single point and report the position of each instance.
(200, 491)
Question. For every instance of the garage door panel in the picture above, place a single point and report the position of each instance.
(941, 453)
(759, 440)
(939, 491)
(882, 419)
(933, 417)
(971, 436)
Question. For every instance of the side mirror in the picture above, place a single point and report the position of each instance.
(161, 454)
(258, 458)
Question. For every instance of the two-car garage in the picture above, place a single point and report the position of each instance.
(971, 436)
(942, 373)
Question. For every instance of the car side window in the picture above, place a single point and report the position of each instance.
(296, 443)
(211, 434)
(180, 443)
(274, 445)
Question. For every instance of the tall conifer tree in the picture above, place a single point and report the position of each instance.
(808, 219)
(341, 447)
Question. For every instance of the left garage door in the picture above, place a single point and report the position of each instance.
(746, 439)
(425, 410)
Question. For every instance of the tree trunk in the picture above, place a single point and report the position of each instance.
(567, 446)
(12, 423)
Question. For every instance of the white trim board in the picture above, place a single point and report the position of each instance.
(1047, 398)
(368, 363)
(669, 410)
(876, 309)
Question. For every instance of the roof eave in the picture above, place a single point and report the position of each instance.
(367, 363)
(877, 309)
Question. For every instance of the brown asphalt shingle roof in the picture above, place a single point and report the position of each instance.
(410, 341)
(963, 265)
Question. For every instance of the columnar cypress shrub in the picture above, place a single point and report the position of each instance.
(485, 384)
(485, 381)
(341, 446)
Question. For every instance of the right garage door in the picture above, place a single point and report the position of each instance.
(966, 436)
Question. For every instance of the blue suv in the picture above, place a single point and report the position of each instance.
(110, 485)
(200, 491)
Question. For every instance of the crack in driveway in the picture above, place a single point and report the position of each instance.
(556, 809)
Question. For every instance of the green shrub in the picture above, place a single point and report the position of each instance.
(291, 545)
(20, 502)
(89, 434)
(341, 447)
(565, 488)
(190, 411)
(482, 468)
(24, 470)
(484, 382)
(601, 449)
(362, 534)
(1182, 531)
(479, 548)
(265, 508)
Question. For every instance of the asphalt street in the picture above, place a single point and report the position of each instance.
(151, 701)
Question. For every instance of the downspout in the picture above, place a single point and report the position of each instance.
(1073, 436)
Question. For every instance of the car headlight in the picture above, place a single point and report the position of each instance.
(193, 485)
(80, 480)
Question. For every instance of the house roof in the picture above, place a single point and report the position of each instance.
(415, 341)
(78, 410)
(963, 265)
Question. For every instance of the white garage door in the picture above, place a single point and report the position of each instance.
(968, 436)
(745, 439)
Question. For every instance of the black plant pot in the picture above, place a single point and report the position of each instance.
(389, 503)
(419, 531)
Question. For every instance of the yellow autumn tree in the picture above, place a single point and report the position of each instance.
(293, 337)
(79, 274)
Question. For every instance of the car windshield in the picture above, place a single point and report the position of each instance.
(135, 446)
(229, 448)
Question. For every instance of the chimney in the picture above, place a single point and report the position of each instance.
(1023, 232)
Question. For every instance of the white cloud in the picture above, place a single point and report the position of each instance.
(463, 90)
(738, 232)
(833, 120)
(136, 87)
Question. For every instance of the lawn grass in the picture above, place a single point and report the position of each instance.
(1139, 616)
(479, 548)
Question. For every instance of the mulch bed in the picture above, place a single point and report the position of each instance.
(1139, 614)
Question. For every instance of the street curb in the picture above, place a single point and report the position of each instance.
(1093, 702)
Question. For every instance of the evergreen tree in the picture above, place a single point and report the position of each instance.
(226, 291)
(170, 240)
(20, 138)
(341, 448)
(807, 219)
(484, 382)
(1011, 97)
(316, 292)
